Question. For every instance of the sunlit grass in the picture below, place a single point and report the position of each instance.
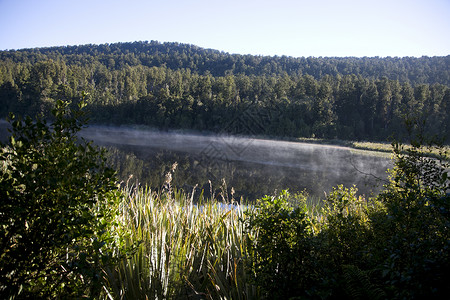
(383, 149)
(387, 148)
(185, 250)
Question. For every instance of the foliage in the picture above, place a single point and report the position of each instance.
(183, 86)
(280, 252)
(357, 284)
(187, 250)
(342, 243)
(394, 246)
(344, 225)
(58, 206)
(300, 254)
(177, 56)
(59, 203)
(412, 236)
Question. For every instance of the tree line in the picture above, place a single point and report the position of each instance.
(172, 86)
(202, 61)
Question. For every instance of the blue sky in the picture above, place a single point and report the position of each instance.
(280, 27)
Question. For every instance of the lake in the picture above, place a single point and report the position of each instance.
(252, 167)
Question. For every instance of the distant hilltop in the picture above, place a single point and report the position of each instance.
(175, 56)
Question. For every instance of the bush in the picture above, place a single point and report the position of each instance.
(280, 254)
(57, 202)
(343, 244)
(411, 247)
(345, 225)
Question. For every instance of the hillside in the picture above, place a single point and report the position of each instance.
(172, 85)
(177, 56)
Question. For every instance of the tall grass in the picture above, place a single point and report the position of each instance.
(185, 250)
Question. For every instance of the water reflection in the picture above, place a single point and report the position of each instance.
(253, 167)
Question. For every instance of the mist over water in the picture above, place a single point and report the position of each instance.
(253, 167)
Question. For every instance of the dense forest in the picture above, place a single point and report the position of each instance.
(181, 86)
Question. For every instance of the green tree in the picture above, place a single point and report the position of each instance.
(369, 101)
(58, 200)
(383, 105)
(410, 248)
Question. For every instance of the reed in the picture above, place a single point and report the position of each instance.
(184, 250)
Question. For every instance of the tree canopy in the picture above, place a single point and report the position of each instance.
(173, 85)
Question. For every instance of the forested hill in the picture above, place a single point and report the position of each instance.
(173, 86)
(177, 56)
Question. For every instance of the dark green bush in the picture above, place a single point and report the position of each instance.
(342, 243)
(281, 259)
(345, 225)
(57, 201)
(411, 246)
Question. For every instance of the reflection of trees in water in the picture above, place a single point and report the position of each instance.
(150, 167)
(249, 180)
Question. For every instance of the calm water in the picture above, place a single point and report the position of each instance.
(252, 167)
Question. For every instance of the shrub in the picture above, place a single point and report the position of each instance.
(412, 235)
(281, 259)
(57, 202)
(345, 223)
(342, 243)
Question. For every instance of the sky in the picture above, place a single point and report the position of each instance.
(336, 28)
